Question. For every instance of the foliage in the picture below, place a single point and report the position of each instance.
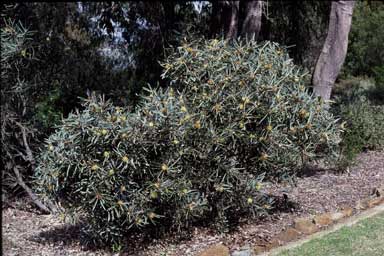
(365, 126)
(377, 93)
(198, 150)
(366, 48)
(47, 112)
(16, 55)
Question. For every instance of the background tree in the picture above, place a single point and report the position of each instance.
(334, 50)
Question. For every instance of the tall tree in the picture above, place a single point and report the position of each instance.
(231, 18)
(226, 16)
(334, 50)
(252, 22)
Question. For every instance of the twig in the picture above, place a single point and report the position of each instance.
(26, 145)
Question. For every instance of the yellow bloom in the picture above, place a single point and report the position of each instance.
(241, 124)
(94, 167)
(197, 124)
(123, 189)
(124, 135)
(111, 172)
(269, 128)
(249, 200)
(241, 106)
(219, 188)
(303, 113)
(164, 167)
(125, 159)
(175, 141)
(258, 186)
(120, 203)
(266, 206)
(106, 154)
(210, 81)
(214, 42)
(246, 100)
(217, 108)
(263, 157)
(50, 147)
(151, 215)
(171, 93)
(183, 109)
(154, 195)
(104, 132)
(150, 124)
(185, 191)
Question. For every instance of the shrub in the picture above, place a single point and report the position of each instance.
(365, 48)
(235, 114)
(378, 92)
(365, 126)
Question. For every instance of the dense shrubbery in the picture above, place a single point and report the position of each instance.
(366, 48)
(358, 103)
(365, 127)
(234, 115)
(364, 120)
(16, 132)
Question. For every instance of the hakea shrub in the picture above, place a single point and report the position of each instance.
(234, 115)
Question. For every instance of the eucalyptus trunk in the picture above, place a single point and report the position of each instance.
(252, 22)
(334, 50)
(231, 19)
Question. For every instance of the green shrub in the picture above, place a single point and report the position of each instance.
(234, 115)
(365, 48)
(378, 93)
(365, 126)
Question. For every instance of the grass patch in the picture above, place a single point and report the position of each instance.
(366, 238)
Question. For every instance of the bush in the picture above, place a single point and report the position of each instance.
(365, 127)
(16, 134)
(378, 92)
(235, 114)
(365, 48)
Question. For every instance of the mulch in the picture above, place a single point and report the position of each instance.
(25, 232)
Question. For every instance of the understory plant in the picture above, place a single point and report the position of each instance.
(234, 114)
(364, 126)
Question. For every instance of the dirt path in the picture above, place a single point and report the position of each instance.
(27, 233)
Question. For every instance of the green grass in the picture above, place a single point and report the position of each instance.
(366, 238)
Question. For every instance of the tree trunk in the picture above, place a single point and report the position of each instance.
(334, 50)
(252, 22)
(231, 18)
(215, 26)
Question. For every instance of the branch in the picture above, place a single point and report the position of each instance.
(29, 191)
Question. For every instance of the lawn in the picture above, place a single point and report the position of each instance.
(366, 238)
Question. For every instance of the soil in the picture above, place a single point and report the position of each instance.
(26, 232)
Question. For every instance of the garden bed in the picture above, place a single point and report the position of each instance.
(27, 233)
